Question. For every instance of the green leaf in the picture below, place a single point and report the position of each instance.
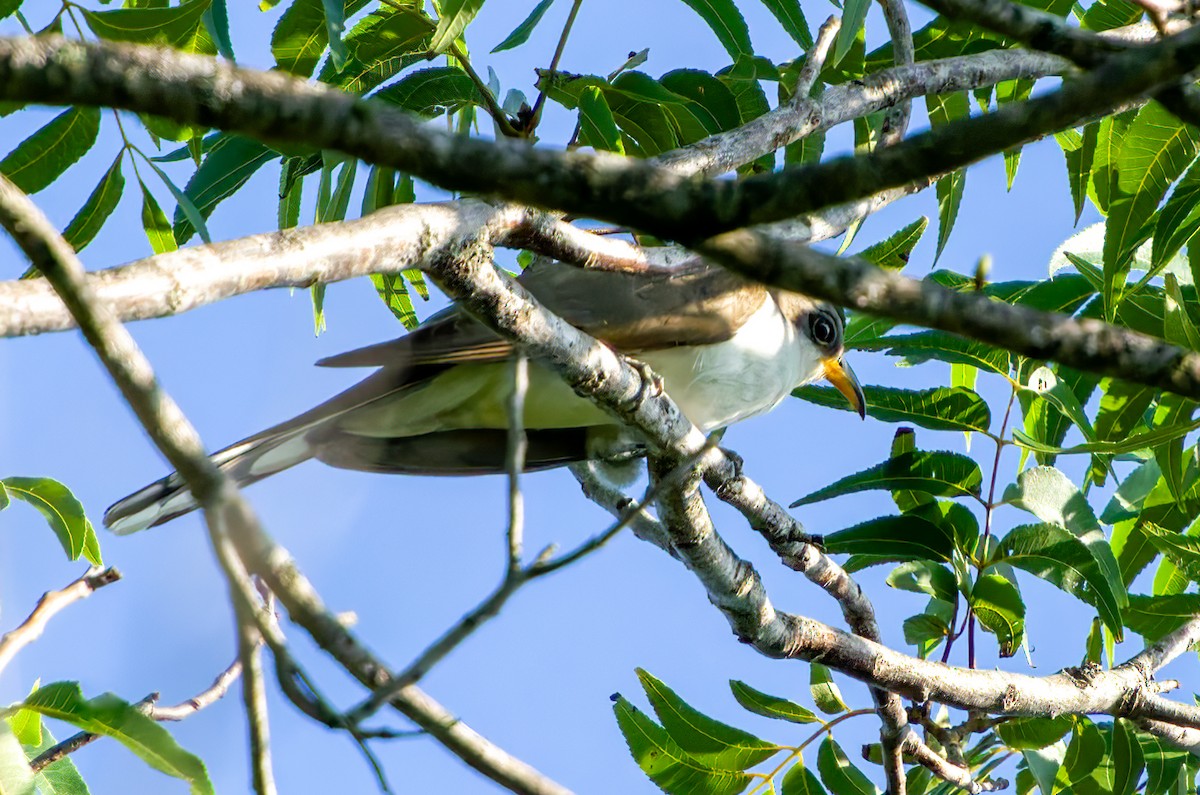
(98, 207)
(15, 776)
(1050, 495)
(227, 167)
(723, 17)
(1182, 550)
(1152, 617)
(62, 511)
(431, 92)
(924, 628)
(665, 763)
(454, 17)
(799, 780)
(1174, 412)
(708, 741)
(1084, 754)
(155, 223)
(997, 604)
(335, 27)
(944, 109)
(1109, 137)
(842, 777)
(1179, 220)
(1109, 14)
(4, 499)
(1127, 502)
(216, 22)
(44, 156)
(1079, 149)
(180, 27)
(922, 576)
(939, 409)
(893, 253)
(184, 203)
(769, 706)
(825, 692)
(8, 7)
(854, 17)
(380, 46)
(1163, 763)
(924, 346)
(943, 474)
(1178, 326)
(301, 35)
(1022, 734)
(791, 17)
(1144, 440)
(110, 716)
(1060, 558)
(1044, 764)
(1155, 150)
(894, 538)
(597, 127)
(703, 96)
(1128, 761)
(27, 724)
(521, 33)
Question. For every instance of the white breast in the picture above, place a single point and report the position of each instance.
(717, 385)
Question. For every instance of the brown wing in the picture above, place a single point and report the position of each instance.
(633, 312)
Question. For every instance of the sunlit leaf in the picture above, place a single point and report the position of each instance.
(1079, 149)
(431, 92)
(181, 27)
(1128, 761)
(704, 739)
(893, 252)
(597, 127)
(825, 692)
(725, 20)
(799, 780)
(46, 154)
(99, 205)
(1024, 733)
(769, 706)
(839, 774)
(521, 33)
(997, 604)
(227, 167)
(940, 473)
(62, 510)
(454, 16)
(16, 778)
(922, 576)
(894, 538)
(301, 35)
(939, 409)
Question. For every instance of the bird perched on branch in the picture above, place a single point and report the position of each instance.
(725, 348)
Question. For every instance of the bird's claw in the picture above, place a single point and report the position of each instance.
(652, 385)
(735, 459)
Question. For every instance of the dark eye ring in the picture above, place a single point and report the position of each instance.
(823, 330)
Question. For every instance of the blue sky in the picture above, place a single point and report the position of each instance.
(410, 555)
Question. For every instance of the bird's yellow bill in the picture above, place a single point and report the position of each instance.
(841, 376)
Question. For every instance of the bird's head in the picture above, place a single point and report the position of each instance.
(823, 325)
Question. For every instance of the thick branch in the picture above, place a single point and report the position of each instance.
(272, 106)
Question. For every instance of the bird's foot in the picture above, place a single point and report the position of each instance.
(735, 459)
(652, 385)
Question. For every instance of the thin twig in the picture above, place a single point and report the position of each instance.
(213, 693)
(52, 603)
(78, 740)
(814, 60)
(535, 115)
(515, 461)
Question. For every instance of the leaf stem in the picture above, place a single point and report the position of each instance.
(769, 777)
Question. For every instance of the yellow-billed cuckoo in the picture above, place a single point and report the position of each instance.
(726, 349)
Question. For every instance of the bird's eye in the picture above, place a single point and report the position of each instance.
(823, 330)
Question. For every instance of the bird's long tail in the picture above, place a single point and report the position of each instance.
(246, 462)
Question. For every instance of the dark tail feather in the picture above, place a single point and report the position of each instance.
(246, 462)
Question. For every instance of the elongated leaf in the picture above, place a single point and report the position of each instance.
(1025, 733)
(1084, 755)
(892, 253)
(997, 604)
(112, 717)
(1109, 137)
(379, 47)
(180, 27)
(1163, 763)
(1063, 560)
(1182, 550)
(1152, 617)
(665, 763)
(8, 7)
(1044, 764)
(335, 27)
(1155, 151)
(1128, 761)
(1139, 441)
(925, 630)
(301, 35)
(62, 511)
(839, 774)
(1179, 219)
(155, 223)
(791, 17)
(597, 127)
(98, 207)
(1178, 326)
(44, 156)
(726, 21)
(924, 346)
(1127, 502)
(1079, 149)
(769, 706)
(940, 409)
(521, 32)
(944, 109)
(431, 92)
(943, 474)
(825, 692)
(216, 22)
(706, 740)
(57, 778)
(455, 15)
(895, 538)
(16, 778)
(226, 168)
(852, 32)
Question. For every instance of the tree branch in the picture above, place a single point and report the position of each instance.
(50, 605)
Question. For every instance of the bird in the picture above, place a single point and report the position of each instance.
(725, 349)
